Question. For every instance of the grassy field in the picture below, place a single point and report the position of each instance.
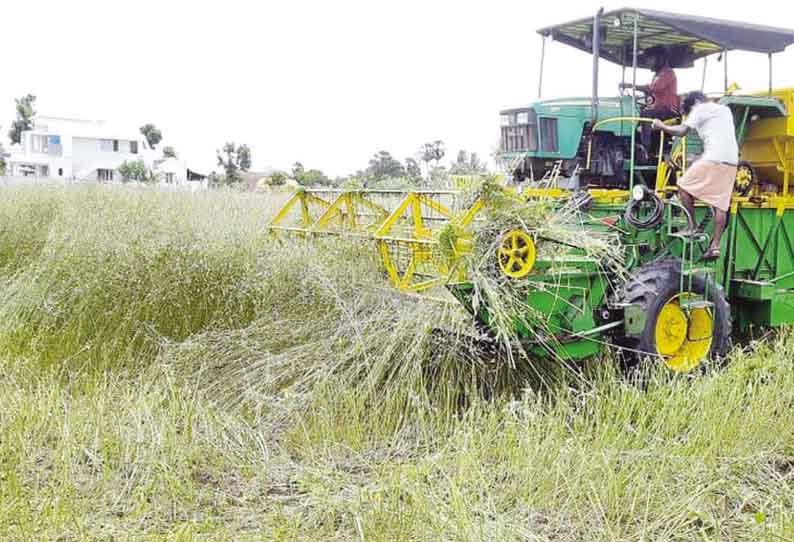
(169, 372)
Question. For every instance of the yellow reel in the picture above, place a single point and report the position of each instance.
(516, 254)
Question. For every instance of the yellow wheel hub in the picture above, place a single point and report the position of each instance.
(744, 176)
(517, 254)
(683, 338)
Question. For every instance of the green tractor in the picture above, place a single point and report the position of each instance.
(667, 304)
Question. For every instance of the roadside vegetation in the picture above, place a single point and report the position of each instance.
(168, 371)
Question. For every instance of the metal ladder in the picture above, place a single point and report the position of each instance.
(690, 268)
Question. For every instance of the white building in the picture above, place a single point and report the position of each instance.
(174, 172)
(75, 149)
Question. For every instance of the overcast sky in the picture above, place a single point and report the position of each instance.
(328, 83)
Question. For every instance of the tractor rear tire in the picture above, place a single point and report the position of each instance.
(655, 287)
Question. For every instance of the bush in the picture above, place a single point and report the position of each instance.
(136, 171)
(277, 178)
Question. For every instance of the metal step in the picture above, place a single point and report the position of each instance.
(698, 271)
(697, 236)
(692, 304)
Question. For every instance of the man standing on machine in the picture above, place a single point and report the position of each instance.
(711, 178)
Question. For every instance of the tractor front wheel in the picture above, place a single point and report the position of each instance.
(682, 328)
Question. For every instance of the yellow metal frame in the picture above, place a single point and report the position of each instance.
(404, 228)
(317, 214)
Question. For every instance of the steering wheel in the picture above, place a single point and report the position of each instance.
(644, 99)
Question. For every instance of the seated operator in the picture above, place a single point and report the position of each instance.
(664, 102)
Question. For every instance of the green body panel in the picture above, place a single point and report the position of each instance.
(763, 248)
(752, 290)
(763, 106)
(561, 299)
(761, 270)
(775, 312)
(634, 320)
(572, 115)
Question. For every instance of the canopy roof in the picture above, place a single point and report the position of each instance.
(685, 37)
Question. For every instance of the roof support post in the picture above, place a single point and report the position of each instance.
(634, 100)
(596, 57)
(542, 59)
(725, 66)
(703, 80)
(770, 73)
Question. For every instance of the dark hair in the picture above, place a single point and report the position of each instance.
(660, 53)
(690, 99)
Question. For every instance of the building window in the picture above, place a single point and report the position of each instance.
(169, 178)
(115, 145)
(106, 145)
(40, 143)
(45, 171)
(54, 144)
(104, 175)
(134, 147)
(60, 172)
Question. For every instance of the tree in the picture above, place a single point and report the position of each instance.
(297, 170)
(169, 152)
(309, 177)
(430, 152)
(475, 165)
(134, 171)
(277, 178)
(151, 177)
(383, 165)
(439, 177)
(412, 169)
(2, 160)
(244, 157)
(152, 134)
(227, 159)
(24, 121)
(313, 177)
(234, 159)
(461, 164)
(466, 164)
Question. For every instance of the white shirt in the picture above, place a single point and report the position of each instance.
(714, 124)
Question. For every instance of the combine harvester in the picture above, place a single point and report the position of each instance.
(667, 305)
